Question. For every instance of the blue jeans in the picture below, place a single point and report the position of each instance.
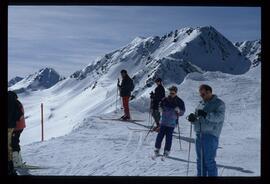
(209, 148)
(168, 131)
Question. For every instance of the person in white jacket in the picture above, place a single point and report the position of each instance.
(208, 121)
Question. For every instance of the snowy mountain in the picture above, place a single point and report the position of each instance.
(43, 79)
(14, 81)
(171, 57)
(252, 50)
(187, 58)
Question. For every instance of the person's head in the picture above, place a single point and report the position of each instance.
(205, 92)
(173, 91)
(158, 81)
(123, 73)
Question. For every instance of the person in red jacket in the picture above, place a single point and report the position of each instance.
(20, 125)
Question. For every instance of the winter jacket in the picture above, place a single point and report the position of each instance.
(20, 124)
(14, 112)
(126, 86)
(213, 122)
(159, 94)
(169, 117)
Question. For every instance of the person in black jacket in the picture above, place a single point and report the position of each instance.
(156, 98)
(14, 114)
(125, 88)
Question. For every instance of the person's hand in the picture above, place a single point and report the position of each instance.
(177, 110)
(151, 95)
(202, 113)
(192, 117)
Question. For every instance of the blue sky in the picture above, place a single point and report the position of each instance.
(68, 38)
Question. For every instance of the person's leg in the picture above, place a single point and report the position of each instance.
(160, 137)
(199, 156)
(126, 106)
(10, 152)
(168, 144)
(210, 150)
(11, 170)
(16, 140)
(17, 158)
(156, 116)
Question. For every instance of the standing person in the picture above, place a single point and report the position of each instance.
(20, 125)
(171, 107)
(125, 88)
(14, 115)
(208, 121)
(156, 98)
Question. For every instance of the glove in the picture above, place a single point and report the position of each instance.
(160, 109)
(192, 117)
(202, 113)
(177, 110)
(151, 95)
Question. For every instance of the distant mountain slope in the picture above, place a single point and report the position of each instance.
(14, 81)
(252, 50)
(171, 57)
(43, 79)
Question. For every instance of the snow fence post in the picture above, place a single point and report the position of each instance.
(42, 128)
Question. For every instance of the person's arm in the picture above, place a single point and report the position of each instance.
(218, 115)
(180, 109)
(118, 83)
(161, 104)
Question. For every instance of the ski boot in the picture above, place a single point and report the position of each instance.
(165, 155)
(156, 154)
(11, 170)
(125, 118)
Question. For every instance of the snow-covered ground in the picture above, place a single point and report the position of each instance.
(80, 143)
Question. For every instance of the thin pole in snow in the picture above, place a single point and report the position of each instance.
(42, 125)
(189, 147)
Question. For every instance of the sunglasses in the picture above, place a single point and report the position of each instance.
(172, 93)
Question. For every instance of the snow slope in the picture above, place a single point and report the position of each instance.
(252, 50)
(43, 79)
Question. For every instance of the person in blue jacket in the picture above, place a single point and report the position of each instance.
(208, 120)
(171, 108)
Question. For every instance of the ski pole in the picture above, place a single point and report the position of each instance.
(179, 135)
(149, 130)
(202, 156)
(189, 147)
(116, 97)
(152, 125)
(149, 117)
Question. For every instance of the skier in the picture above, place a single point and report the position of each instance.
(20, 125)
(171, 108)
(208, 121)
(156, 98)
(14, 115)
(125, 89)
